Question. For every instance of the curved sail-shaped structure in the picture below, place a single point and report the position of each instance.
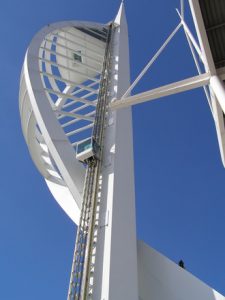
(58, 95)
(72, 72)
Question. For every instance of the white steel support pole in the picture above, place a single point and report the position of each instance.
(163, 91)
(218, 88)
(152, 60)
(202, 36)
(190, 36)
(116, 254)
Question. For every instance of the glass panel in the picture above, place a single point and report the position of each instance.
(84, 146)
(77, 57)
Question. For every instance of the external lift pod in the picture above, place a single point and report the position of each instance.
(87, 149)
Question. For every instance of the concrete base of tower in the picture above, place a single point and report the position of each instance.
(161, 279)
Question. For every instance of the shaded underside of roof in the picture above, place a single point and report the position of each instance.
(96, 33)
(213, 12)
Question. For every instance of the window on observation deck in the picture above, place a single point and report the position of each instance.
(77, 56)
(85, 145)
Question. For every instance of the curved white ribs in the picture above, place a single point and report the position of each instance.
(58, 94)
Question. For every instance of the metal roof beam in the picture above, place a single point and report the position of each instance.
(215, 27)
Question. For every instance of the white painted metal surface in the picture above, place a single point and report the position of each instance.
(160, 279)
(209, 79)
(152, 60)
(58, 94)
(116, 261)
(202, 36)
(62, 67)
(217, 87)
(166, 90)
(86, 149)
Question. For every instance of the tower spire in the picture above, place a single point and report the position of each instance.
(121, 13)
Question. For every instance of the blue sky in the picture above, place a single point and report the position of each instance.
(179, 178)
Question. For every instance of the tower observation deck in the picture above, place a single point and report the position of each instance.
(74, 80)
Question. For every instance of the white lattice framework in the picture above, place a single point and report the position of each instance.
(58, 95)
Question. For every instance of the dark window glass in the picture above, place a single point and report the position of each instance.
(84, 146)
(77, 56)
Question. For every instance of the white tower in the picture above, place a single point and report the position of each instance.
(76, 119)
(117, 256)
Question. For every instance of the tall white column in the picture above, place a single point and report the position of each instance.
(202, 36)
(116, 261)
(218, 88)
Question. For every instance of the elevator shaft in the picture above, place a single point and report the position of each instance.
(83, 266)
